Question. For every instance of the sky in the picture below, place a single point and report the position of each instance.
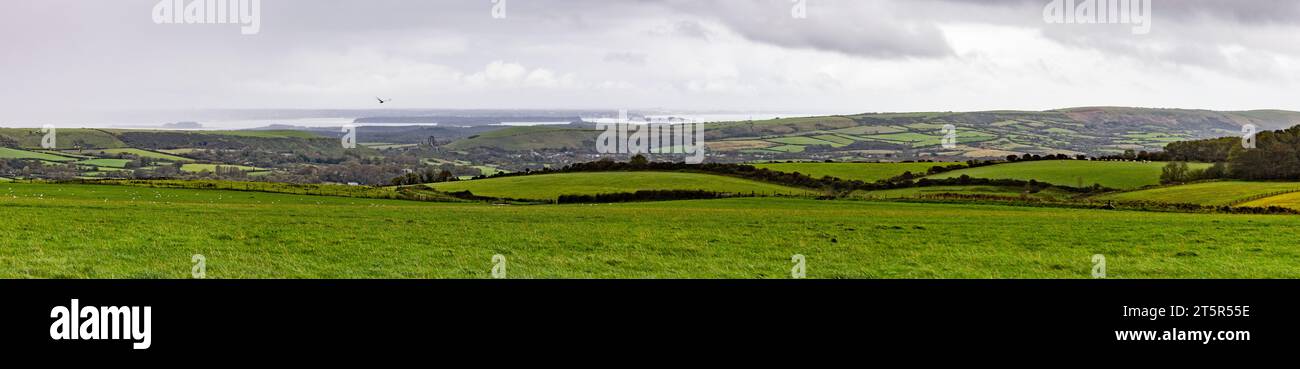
(65, 57)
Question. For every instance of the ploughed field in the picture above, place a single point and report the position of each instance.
(87, 231)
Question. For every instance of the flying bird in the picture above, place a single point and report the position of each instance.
(382, 101)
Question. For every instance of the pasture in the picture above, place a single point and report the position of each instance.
(8, 153)
(109, 163)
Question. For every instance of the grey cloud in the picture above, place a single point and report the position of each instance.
(1238, 11)
(107, 54)
(626, 58)
(691, 29)
(874, 29)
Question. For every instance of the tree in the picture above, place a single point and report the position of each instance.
(639, 161)
(445, 176)
(1174, 172)
(1216, 171)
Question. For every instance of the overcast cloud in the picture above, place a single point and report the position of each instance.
(65, 56)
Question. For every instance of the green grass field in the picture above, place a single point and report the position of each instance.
(1210, 193)
(82, 231)
(916, 139)
(1113, 174)
(800, 140)
(867, 172)
(871, 130)
(787, 148)
(551, 186)
(67, 153)
(8, 153)
(108, 163)
(836, 139)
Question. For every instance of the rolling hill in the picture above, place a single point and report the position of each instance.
(1096, 131)
(551, 186)
(111, 139)
(65, 138)
(1209, 193)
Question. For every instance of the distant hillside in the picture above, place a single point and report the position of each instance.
(265, 140)
(64, 138)
(1203, 120)
(991, 134)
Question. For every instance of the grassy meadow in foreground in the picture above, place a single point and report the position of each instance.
(84, 231)
(551, 186)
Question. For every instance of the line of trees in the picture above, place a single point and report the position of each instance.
(427, 176)
(1179, 172)
(1276, 155)
(645, 195)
